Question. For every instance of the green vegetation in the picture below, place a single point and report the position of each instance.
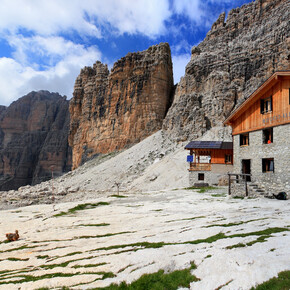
(118, 196)
(19, 248)
(72, 254)
(81, 207)
(159, 281)
(282, 282)
(220, 287)
(89, 265)
(93, 225)
(201, 189)
(31, 278)
(225, 225)
(239, 245)
(208, 240)
(235, 224)
(219, 195)
(238, 197)
(262, 237)
(42, 257)
(16, 259)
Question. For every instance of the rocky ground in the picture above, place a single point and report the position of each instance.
(156, 163)
(76, 231)
(235, 243)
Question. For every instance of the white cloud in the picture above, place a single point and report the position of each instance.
(18, 79)
(190, 8)
(45, 17)
(86, 17)
(179, 64)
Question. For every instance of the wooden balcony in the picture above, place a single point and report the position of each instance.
(200, 166)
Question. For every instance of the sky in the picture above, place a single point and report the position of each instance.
(45, 43)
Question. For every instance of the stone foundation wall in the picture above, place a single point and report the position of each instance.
(272, 182)
(211, 177)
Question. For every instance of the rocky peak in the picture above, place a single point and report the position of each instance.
(111, 111)
(33, 137)
(237, 55)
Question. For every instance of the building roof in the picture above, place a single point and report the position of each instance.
(272, 80)
(209, 145)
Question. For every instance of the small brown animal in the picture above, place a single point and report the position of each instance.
(12, 237)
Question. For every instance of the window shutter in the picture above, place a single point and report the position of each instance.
(262, 106)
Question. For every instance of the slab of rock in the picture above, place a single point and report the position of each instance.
(113, 110)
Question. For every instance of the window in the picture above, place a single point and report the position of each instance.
(200, 176)
(266, 105)
(268, 136)
(228, 158)
(268, 165)
(244, 139)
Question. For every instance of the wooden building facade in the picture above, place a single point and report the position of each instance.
(261, 134)
(209, 161)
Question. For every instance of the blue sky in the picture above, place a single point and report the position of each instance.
(44, 44)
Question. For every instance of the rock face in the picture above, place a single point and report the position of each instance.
(236, 56)
(111, 111)
(33, 137)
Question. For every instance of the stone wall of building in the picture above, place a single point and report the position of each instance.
(272, 182)
(212, 177)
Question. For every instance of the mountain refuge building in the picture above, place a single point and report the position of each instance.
(261, 134)
(209, 161)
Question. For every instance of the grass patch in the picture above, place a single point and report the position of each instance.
(219, 195)
(220, 287)
(16, 259)
(239, 245)
(208, 240)
(42, 257)
(201, 189)
(118, 196)
(159, 281)
(234, 224)
(263, 236)
(79, 207)
(282, 282)
(225, 225)
(93, 225)
(238, 197)
(72, 254)
(31, 278)
(19, 248)
(89, 265)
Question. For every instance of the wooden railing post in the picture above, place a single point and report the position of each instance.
(229, 184)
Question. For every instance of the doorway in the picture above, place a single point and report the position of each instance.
(246, 168)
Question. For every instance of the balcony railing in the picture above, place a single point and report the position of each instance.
(200, 166)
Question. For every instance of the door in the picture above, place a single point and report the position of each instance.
(246, 168)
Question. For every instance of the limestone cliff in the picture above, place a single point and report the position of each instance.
(113, 110)
(237, 55)
(33, 137)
